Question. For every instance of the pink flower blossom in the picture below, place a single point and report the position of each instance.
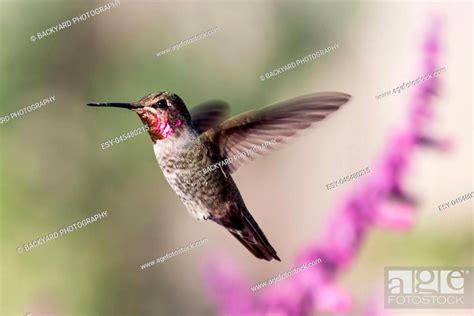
(381, 199)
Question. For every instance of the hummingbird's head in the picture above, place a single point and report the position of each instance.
(164, 113)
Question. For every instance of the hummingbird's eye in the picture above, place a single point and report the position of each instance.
(162, 104)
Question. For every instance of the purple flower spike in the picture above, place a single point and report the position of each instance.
(381, 199)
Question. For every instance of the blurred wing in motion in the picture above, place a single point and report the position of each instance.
(208, 115)
(271, 125)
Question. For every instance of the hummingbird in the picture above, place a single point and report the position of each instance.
(187, 141)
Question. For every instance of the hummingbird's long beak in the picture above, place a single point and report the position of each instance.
(130, 106)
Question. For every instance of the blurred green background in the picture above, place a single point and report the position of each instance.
(54, 173)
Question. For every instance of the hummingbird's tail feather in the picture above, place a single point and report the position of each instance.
(253, 238)
(258, 249)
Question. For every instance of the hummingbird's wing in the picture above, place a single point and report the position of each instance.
(256, 132)
(208, 114)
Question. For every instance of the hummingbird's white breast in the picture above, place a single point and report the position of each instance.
(181, 157)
